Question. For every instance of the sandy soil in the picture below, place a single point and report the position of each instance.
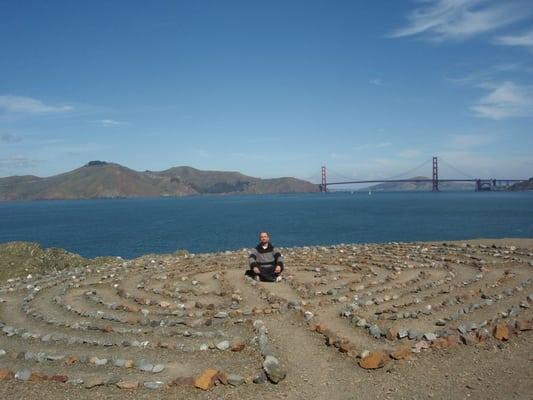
(487, 368)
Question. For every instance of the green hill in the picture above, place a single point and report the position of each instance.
(99, 179)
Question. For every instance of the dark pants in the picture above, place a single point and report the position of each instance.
(266, 273)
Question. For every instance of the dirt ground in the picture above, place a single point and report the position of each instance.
(487, 369)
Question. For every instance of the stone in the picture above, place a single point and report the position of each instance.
(154, 385)
(23, 374)
(224, 345)
(273, 369)
(346, 347)
(94, 382)
(364, 353)
(430, 336)
(373, 360)
(237, 344)
(184, 381)
(127, 384)
(419, 346)
(375, 331)
(501, 332)
(235, 380)
(392, 333)
(401, 353)
(158, 368)
(6, 374)
(260, 378)
(523, 325)
(402, 333)
(206, 381)
(145, 366)
(2, 352)
(37, 377)
(71, 360)
(98, 361)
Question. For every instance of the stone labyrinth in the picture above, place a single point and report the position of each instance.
(196, 321)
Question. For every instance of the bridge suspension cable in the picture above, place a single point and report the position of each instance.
(348, 178)
(456, 169)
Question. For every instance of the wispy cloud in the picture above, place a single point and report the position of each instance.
(470, 141)
(409, 153)
(17, 161)
(375, 81)
(28, 105)
(505, 100)
(460, 19)
(372, 146)
(109, 123)
(525, 39)
(9, 138)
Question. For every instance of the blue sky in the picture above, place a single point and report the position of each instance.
(275, 88)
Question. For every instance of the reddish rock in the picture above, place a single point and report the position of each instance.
(206, 381)
(320, 328)
(392, 333)
(440, 343)
(184, 381)
(37, 377)
(6, 374)
(452, 340)
(345, 347)
(237, 344)
(107, 329)
(71, 360)
(222, 378)
(523, 325)
(401, 353)
(374, 360)
(501, 332)
(58, 378)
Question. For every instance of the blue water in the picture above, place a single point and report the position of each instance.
(132, 227)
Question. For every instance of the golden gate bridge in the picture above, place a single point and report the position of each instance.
(481, 184)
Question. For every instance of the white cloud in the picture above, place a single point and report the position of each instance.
(375, 81)
(372, 146)
(461, 19)
(525, 39)
(505, 100)
(28, 105)
(109, 123)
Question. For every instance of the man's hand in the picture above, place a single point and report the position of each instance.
(256, 270)
(278, 269)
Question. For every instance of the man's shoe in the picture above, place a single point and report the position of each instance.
(278, 279)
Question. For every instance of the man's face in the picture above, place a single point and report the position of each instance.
(263, 238)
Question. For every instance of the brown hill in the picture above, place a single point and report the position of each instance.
(99, 179)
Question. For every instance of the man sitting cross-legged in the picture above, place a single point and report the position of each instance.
(266, 263)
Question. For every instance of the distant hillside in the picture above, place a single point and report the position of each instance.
(526, 185)
(419, 186)
(99, 179)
